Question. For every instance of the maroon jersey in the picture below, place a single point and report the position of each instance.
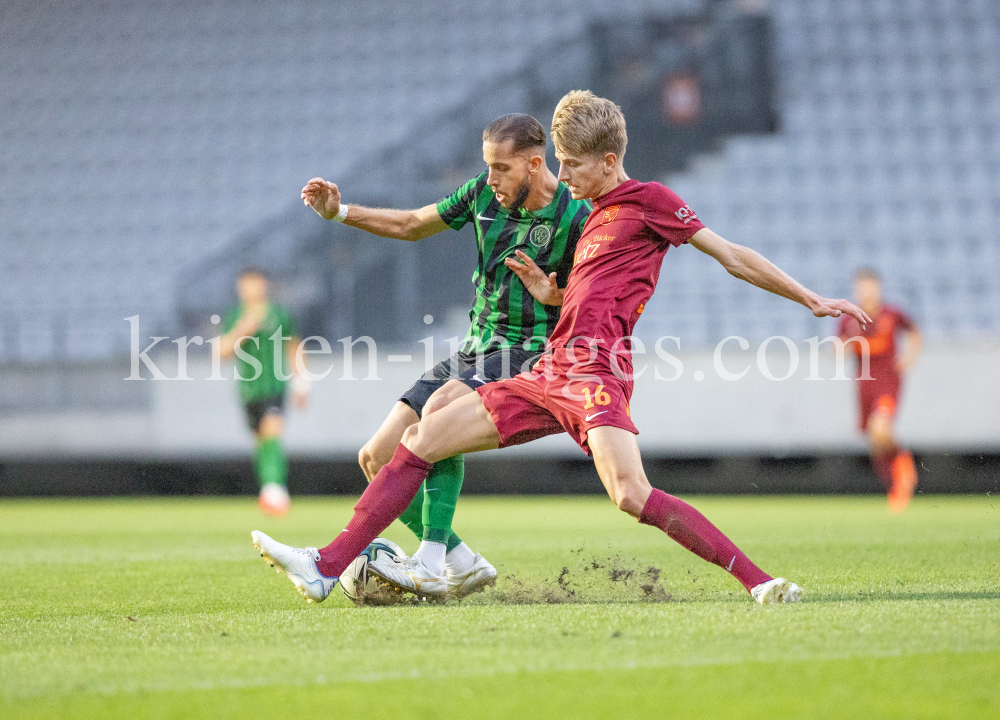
(881, 337)
(881, 393)
(574, 388)
(617, 263)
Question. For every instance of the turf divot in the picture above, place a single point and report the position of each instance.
(590, 579)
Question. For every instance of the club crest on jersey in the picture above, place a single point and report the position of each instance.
(540, 236)
(610, 214)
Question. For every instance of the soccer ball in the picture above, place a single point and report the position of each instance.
(362, 589)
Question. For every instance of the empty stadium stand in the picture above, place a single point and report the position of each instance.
(888, 156)
(150, 149)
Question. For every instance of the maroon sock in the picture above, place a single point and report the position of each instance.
(882, 465)
(693, 530)
(382, 502)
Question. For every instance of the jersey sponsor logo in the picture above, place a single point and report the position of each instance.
(540, 236)
(480, 216)
(686, 214)
(610, 214)
(591, 248)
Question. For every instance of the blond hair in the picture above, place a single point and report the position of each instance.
(584, 124)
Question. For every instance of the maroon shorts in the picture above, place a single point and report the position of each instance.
(880, 395)
(535, 404)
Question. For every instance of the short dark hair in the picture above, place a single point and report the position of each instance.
(867, 273)
(524, 130)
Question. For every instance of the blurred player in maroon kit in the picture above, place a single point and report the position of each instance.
(583, 382)
(879, 396)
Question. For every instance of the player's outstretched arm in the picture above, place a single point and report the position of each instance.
(324, 198)
(542, 287)
(749, 265)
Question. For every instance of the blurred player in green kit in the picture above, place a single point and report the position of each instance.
(263, 338)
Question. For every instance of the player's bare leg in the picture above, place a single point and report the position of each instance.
(465, 570)
(619, 465)
(461, 427)
(464, 426)
(379, 449)
(446, 395)
(616, 456)
(271, 466)
(880, 432)
(893, 465)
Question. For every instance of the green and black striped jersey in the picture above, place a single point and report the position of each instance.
(504, 310)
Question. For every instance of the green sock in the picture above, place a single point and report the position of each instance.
(270, 462)
(412, 517)
(441, 491)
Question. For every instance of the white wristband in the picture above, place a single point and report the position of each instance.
(341, 214)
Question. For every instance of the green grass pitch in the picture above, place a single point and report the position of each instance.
(161, 609)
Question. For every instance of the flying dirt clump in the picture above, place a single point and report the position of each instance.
(590, 580)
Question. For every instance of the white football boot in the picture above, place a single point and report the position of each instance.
(408, 574)
(298, 565)
(777, 590)
(475, 579)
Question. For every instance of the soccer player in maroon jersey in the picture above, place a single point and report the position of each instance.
(583, 382)
(878, 394)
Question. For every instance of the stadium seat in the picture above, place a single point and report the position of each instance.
(883, 103)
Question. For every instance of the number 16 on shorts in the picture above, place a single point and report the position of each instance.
(599, 397)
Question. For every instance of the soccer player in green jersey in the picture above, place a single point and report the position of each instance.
(256, 332)
(516, 206)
